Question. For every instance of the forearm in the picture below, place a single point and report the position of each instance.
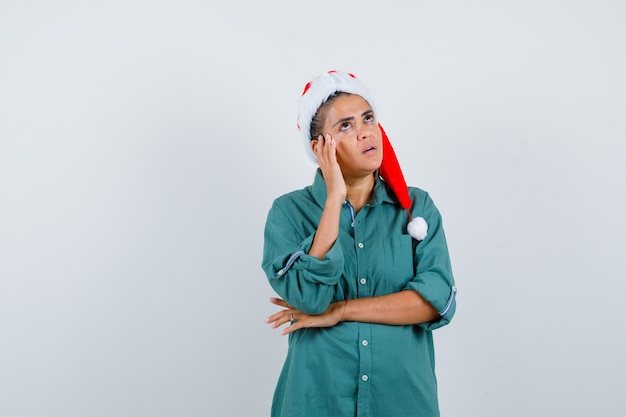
(327, 230)
(401, 308)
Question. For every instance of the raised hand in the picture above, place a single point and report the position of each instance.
(325, 148)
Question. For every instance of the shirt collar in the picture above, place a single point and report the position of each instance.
(382, 193)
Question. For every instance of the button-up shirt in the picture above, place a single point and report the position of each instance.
(354, 368)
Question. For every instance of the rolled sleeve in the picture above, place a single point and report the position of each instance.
(441, 296)
(304, 281)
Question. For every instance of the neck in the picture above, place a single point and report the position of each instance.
(359, 190)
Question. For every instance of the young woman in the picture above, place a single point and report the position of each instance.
(361, 264)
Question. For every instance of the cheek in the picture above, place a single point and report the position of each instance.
(342, 148)
(377, 134)
(340, 153)
(343, 155)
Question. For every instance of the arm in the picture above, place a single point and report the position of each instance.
(300, 258)
(433, 280)
(401, 308)
(328, 229)
(306, 282)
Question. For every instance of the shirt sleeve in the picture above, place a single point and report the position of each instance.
(433, 279)
(304, 281)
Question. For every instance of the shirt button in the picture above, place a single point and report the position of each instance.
(365, 378)
(360, 245)
(365, 343)
(363, 281)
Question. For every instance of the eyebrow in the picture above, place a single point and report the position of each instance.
(347, 119)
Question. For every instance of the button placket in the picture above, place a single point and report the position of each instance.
(364, 329)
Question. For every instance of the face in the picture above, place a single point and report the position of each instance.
(351, 122)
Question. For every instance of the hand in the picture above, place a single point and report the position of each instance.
(329, 318)
(325, 148)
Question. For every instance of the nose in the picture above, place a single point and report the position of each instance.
(364, 132)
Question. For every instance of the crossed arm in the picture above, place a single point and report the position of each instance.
(401, 308)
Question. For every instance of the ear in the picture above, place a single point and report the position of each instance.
(313, 143)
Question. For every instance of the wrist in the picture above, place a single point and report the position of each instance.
(343, 310)
(335, 200)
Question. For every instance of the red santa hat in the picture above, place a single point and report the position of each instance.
(315, 93)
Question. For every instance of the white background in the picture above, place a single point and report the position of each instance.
(142, 143)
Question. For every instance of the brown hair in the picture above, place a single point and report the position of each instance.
(320, 115)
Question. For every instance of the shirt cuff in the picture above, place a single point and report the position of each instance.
(324, 271)
(442, 297)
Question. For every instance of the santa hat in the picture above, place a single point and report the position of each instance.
(315, 94)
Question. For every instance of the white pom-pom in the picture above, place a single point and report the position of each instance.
(418, 228)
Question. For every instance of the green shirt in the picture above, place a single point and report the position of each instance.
(353, 368)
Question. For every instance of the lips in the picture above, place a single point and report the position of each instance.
(369, 149)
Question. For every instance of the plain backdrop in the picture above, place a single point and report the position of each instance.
(142, 144)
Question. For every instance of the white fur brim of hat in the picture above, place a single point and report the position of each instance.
(319, 90)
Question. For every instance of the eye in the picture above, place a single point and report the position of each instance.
(369, 118)
(345, 126)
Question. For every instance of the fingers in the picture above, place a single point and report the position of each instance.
(279, 302)
(280, 318)
(295, 319)
(294, 326)
(325, 148)
(283, 317)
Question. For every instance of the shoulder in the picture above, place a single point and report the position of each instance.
(294, 201)
(295, 195)
(418, 194)
(422, 202)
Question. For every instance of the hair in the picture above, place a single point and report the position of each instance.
(317, 123)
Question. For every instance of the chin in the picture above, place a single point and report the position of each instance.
(375, 166)
(371, 169)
